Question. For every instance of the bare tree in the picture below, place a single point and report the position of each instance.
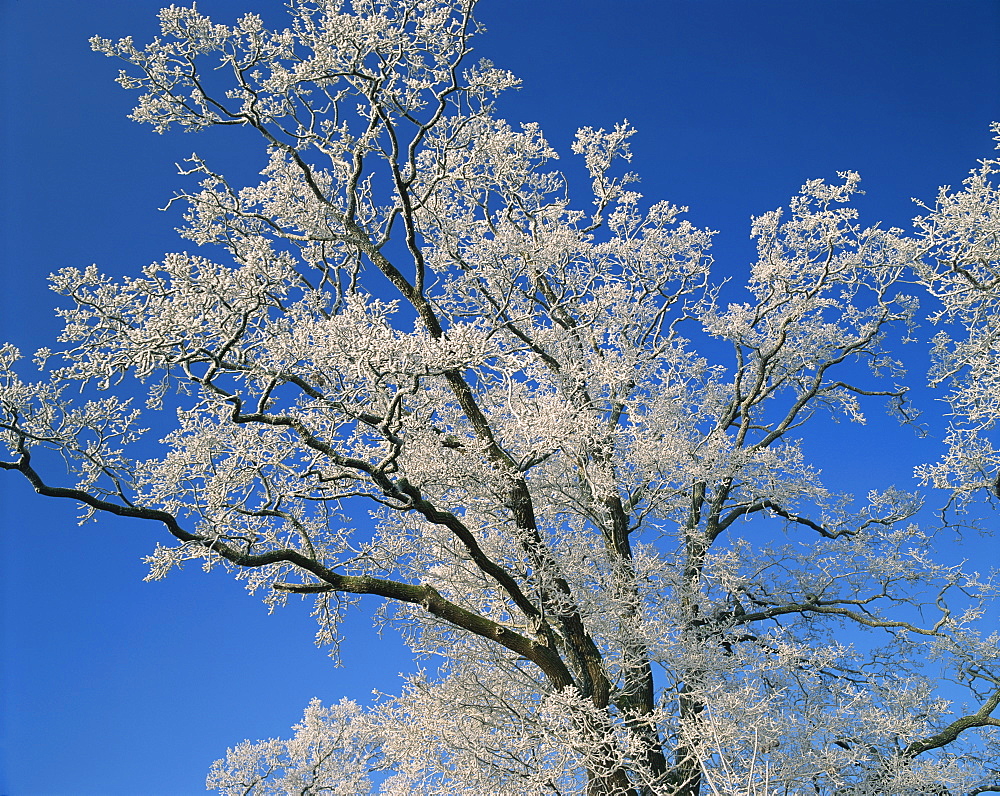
(611, 533)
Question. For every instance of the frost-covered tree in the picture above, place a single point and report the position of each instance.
(962, 271)
(533, 430)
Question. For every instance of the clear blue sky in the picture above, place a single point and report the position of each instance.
(115, 687)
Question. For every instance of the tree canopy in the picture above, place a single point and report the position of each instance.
(565, 455)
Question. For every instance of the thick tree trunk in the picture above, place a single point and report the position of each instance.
(685, 777)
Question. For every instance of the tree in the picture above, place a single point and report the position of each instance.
(589, 494)
(961, 271)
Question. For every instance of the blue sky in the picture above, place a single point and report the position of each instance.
(115, 687)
